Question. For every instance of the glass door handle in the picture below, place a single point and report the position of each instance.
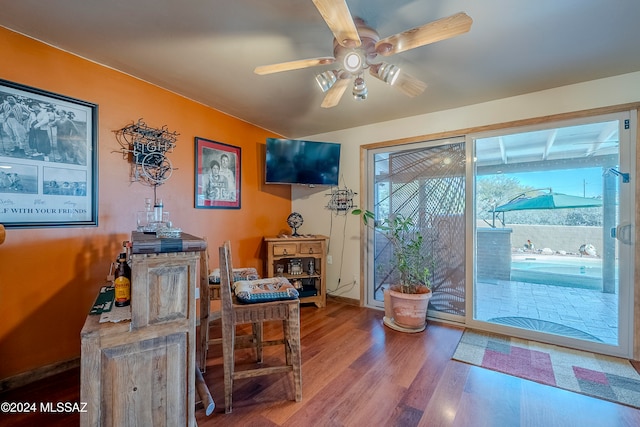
(622, 233)
(624, 175)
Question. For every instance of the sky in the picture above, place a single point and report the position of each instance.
(585, 182)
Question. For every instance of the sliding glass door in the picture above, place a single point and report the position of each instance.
(554, 209)
(530, 229)
(426, 182)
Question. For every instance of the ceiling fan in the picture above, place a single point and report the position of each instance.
(356, 47)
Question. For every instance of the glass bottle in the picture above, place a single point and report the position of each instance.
(148, 208)
(157, 210)
(144, 218)
(122, 282)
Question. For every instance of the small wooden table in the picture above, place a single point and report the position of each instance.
(287, 251)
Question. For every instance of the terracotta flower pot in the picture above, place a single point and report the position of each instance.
(409, 311)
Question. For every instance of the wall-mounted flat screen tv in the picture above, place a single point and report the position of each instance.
(293, 161)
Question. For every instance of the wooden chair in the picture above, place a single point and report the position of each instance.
(211, 311)
(234, 313)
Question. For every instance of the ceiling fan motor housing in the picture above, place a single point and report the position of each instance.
(355, 59)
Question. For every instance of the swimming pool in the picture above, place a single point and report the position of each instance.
(575, 272)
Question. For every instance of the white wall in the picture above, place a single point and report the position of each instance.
(311, 202)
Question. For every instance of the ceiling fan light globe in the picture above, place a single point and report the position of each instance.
(389, 73)
(360, 90)
(360, 96)
(326, 80)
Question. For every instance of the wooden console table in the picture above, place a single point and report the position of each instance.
(142, 371)
(282, 251)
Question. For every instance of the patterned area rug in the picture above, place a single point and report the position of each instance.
(604, 377)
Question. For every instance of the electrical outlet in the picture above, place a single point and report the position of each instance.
(329, 259)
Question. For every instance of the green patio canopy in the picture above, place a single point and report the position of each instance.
(549, 201)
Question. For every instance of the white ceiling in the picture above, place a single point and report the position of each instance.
(207, 50)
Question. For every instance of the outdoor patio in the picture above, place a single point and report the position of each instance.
(572, 311)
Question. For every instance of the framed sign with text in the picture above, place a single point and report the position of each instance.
(48, 159)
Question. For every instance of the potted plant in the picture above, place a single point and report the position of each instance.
(406, 301)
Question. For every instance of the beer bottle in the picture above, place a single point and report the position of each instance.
(122, 282)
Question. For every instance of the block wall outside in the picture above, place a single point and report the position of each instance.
(493, 255)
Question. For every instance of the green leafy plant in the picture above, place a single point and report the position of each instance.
(408, 243)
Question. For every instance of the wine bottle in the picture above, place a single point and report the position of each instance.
(122, 282)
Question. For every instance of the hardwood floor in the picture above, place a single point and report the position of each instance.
(356, 372)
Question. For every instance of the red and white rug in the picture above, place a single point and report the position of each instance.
(605, 377)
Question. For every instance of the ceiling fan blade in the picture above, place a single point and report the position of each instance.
(432, 32)
(334, 94)
(338, 18)
(402, 81)
(409, 85)
(293, 65)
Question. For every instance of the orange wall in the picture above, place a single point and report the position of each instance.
(49, 277)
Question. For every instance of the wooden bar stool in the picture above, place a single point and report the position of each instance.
(211, 310)
(234, 313)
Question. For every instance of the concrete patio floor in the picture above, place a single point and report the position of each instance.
(589, 311)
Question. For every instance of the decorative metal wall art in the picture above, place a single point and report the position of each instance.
(146, 149)
(341, 200)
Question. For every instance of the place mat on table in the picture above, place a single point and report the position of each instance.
(104, 301)
(118, 314)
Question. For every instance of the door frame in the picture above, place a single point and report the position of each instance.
(633, 107)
